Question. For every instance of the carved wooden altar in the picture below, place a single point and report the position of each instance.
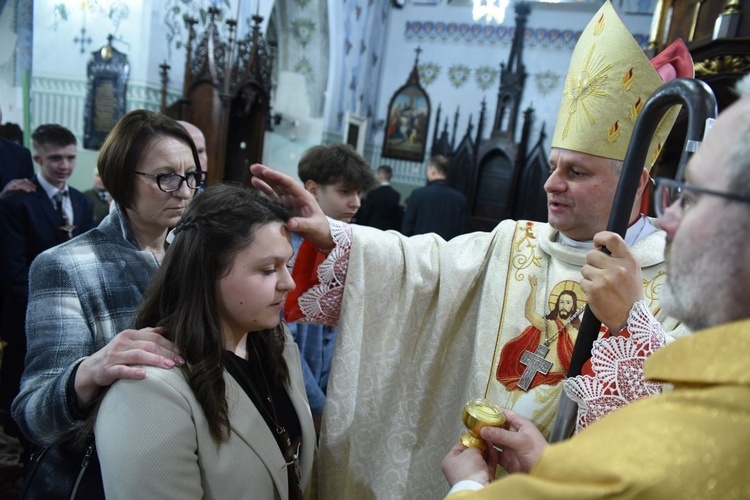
(717, 33)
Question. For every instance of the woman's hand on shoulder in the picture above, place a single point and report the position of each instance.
(118, 358)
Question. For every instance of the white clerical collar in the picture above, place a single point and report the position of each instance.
(49, 188)
(637, 231)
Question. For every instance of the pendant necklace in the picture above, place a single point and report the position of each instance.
(291, 455)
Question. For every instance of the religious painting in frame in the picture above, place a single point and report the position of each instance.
(408, 121)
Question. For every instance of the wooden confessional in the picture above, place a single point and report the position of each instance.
(226, 93)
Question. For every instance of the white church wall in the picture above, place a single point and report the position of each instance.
(358, 31)
(297, 131)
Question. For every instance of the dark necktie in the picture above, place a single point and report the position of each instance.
(66, 228)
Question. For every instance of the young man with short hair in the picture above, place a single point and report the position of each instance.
(336, 175)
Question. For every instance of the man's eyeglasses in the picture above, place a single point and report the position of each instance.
(171, 182)
(669, 192)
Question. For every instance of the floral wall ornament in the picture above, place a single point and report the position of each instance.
(304, 67)
(458, 74)
(59, 14)
(175, 12)
(496, 34)
(486, 76)
(546, 81)
(428, 73)
(303, 30)
(114, 10)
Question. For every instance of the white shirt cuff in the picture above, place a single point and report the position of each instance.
(466, 484)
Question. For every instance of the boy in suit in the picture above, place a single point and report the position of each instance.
(30, 223)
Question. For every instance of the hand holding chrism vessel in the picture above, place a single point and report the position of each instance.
(480, 413)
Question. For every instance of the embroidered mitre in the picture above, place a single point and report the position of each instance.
(608, 82)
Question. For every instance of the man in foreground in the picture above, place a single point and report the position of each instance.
(691, 442)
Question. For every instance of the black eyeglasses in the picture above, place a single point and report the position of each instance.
(668, 192)
(171, 182)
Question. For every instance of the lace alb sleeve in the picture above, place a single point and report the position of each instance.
(321, 304)
(617, 362)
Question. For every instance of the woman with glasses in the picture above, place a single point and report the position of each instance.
(233, 422)
(84, 294)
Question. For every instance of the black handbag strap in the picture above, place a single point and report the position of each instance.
(61, 473)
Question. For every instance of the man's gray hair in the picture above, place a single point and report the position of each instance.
(738, 171)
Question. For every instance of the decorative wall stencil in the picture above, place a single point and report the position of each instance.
(486, 77)
(59, 14)
(361, 63)
(304, 66)
(546, 81)
(113, 10)
(82, 40)
(458, 74)
(303, 30)
(176, 10)
(493, 34)
(302, 3)
(428, 72)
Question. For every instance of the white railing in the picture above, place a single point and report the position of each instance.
(63, 101)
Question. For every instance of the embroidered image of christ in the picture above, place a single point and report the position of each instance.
(541, 353)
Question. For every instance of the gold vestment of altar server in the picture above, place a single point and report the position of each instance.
(691, 442)
(423, 324)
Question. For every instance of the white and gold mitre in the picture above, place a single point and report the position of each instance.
(609, 80)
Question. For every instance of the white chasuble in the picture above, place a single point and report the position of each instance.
(427, 325)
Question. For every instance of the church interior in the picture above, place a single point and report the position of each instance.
(477, 81)
(278, 77)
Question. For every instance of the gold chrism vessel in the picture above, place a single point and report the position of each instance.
(480, 413)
